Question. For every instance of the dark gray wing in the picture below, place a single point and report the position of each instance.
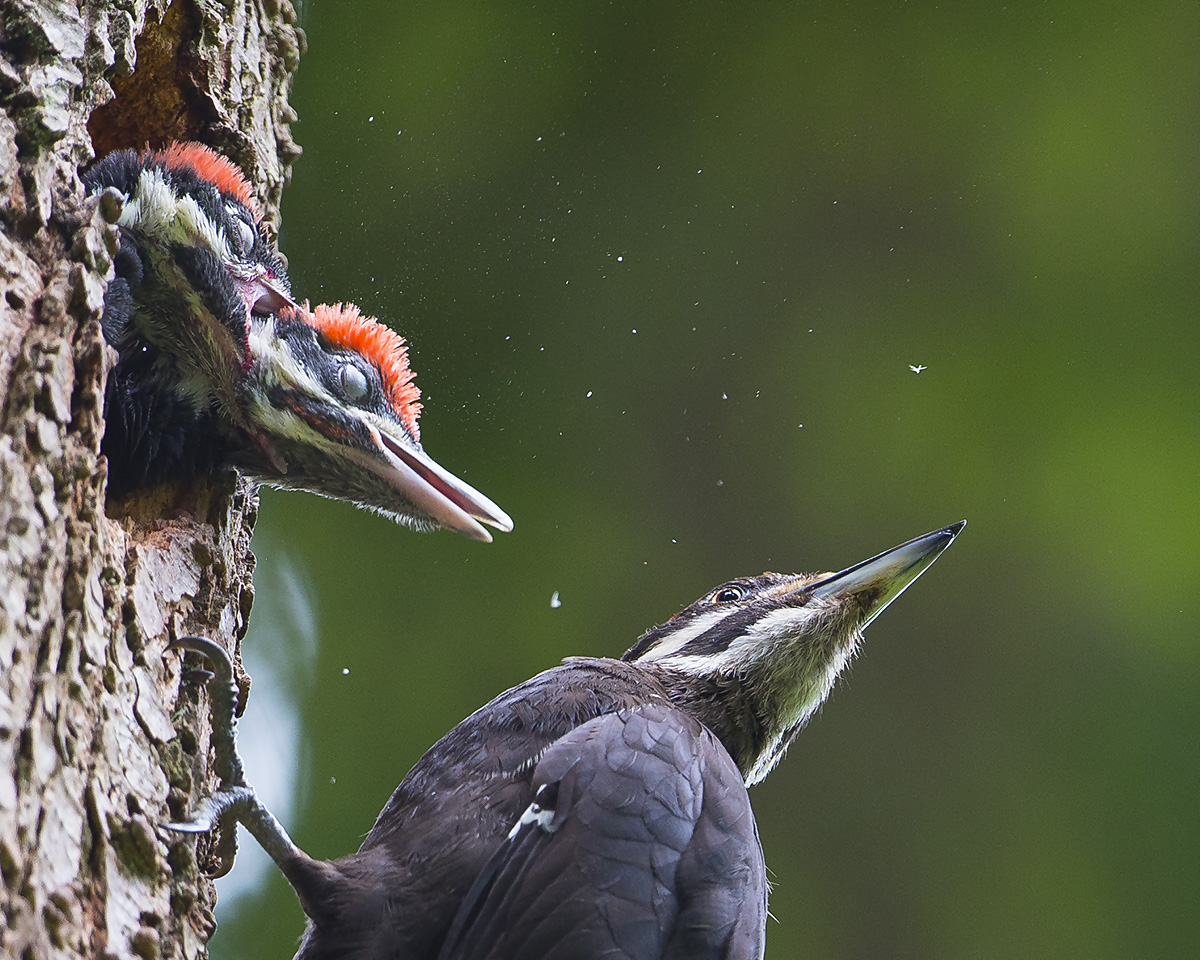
(640, 844)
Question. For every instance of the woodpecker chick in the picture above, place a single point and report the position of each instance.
(333, 408)
(600, 808)
(194, 265)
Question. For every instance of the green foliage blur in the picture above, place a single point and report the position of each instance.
(664, 269)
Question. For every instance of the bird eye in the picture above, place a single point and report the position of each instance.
(246, 234)
(729, 594)
(353, 382)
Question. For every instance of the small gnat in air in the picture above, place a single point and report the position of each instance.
(917, 367)
(555, 603)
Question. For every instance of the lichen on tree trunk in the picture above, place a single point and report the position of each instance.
(100, 744)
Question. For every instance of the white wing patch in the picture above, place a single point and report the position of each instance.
(535, 813)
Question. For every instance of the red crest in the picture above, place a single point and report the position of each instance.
(344, 326)
(220, 171)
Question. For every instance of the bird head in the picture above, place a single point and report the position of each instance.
(755, 658)
(201, 263)
(329, 406)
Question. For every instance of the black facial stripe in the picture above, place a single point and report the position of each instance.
(713, 640)
(205, 272)
(644, 643)
(326, 418)
(718, 637)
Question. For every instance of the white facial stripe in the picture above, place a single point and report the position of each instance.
(275, 365)
(194, 222)
(774, 626)
(782, 622)
(157, 211)
(675, 641)
(152, 206)
(284, 369)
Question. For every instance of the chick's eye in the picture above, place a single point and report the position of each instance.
(729, 594)
(353, 382)
(246, 234)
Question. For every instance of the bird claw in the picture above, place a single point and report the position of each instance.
(234, 798)
(234, 801)
(226, 803)
(223, 810)
(216, 654)
(223, 698)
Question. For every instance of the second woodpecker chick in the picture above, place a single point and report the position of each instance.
(332, 409)
(193, 266)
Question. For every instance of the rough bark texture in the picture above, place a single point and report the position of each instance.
(99, 741)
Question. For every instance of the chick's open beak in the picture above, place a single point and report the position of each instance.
(413, 483)
(264, 294)
(451, 502)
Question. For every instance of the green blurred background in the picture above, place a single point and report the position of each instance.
(664, 268)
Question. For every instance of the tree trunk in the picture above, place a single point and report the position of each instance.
(99, 742)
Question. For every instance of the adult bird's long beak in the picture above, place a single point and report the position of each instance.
(880, 580)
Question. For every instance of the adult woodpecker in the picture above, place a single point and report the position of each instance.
(217, 365)
(600, 808)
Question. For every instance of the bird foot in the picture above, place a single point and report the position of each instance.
(223, 697)
(234, 797)
(235, 800)
(223, 805)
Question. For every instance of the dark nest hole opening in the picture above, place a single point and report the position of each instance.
(161, 100)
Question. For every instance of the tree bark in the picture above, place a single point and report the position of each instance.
(100, 744)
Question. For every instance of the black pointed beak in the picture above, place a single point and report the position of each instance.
(877, 582)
